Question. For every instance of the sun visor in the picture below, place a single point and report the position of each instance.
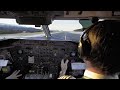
(33, 20)
(85, 23)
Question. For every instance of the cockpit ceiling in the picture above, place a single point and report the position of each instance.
(61, 14)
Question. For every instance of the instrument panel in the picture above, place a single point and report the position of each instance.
(38, 59)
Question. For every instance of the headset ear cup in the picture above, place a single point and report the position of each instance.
(84, 49)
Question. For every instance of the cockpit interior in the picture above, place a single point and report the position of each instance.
(39, 55)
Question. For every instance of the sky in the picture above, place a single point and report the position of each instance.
(65, 25)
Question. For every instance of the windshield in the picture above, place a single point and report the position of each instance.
(60, 25)
(10, 29)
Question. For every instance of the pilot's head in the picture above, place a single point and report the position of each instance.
(100, 45)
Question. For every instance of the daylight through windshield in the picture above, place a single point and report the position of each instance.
(10, 29)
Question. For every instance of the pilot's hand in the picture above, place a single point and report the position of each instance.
(14, 75)
(63, 67)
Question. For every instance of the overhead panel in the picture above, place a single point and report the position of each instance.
(87, 14)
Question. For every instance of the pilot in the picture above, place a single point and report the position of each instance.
(99, 47)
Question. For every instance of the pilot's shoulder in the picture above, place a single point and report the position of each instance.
(66, 77)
